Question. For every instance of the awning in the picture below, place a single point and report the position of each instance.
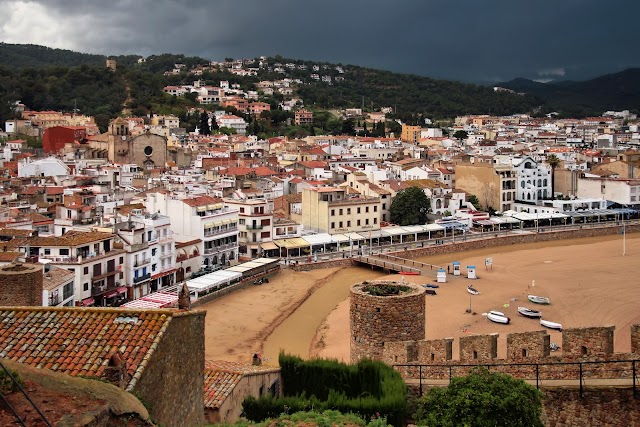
(268, 246)
(201, 208)
(122, 289)
(164, 273)
(294, 243)
(318, 239)
(211, 207)
(111, 294)
(209, 225)
(88, 301)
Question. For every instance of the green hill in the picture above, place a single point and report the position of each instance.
(618, 91)
(33, 56)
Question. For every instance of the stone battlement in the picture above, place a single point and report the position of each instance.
(524, 350)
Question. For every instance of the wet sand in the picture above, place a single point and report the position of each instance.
(589, 282)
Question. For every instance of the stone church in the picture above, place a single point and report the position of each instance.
(147, 150)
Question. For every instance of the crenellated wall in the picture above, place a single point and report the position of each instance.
(526, 345)
(596, 341)
(590, 347)
(478, 348)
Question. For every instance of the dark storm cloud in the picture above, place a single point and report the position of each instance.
(457, 39)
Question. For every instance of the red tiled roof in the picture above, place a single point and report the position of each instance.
(313, 164)
(221, 377)
(80, 341)
(264, 171)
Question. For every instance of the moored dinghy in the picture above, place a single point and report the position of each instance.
(527, 312)
(538, 299)
(551, 325)
(498, 317)
(472, 290)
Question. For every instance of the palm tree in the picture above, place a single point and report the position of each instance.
(553, 161)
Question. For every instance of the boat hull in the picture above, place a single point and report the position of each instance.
(532, 314)
(551, 325)
(498, 318)
(473, 291)
(538, 300)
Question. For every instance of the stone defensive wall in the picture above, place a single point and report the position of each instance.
(589, 351)
(512, 239)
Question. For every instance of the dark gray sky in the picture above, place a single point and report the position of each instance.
(472, 40)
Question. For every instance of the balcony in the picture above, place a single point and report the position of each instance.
(140, 263)
(104, 275)
(139, 246)
(142, 278)
(254, 227)
(214, 232)
(166, 254)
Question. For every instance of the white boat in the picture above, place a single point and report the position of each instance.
(527, 312)
(472, 290)
(539, 300)
(498, 317)
(551, 325)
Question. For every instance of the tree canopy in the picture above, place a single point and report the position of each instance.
(481, 399)
(410, 207)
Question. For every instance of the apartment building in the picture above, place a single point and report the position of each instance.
(150, 253)
(533, 180)
(625, 192)
(205, 218)
(333, 210)
(493, 184)
(93, 258)
(303, 117)
(255, 224)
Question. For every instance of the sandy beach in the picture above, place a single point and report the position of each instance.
(588, 281)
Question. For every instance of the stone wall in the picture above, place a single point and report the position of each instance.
(512, 239)
(611, 407)
(595, 363)
(21, 285)
(172, 383)
(635, 339)
(526, 345)
(478, 348)
(338, 262)
(588, 341)
(377, 319)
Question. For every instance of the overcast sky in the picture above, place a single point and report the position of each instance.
(471, 40)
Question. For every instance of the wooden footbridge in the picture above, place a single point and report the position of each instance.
(396, 264)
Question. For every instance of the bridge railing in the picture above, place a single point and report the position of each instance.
(585, 373)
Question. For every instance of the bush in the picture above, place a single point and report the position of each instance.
(370, 389)
(481, 399)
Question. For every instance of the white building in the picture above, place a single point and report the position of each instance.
(623, 191)
(44, 167)
(255, 224)
(233, 122)
(203, 217)
(533, 180)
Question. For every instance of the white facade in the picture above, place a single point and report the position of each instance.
(43, 167)
(255, 224)
(623, 191)
(533, 180)
(233, 122)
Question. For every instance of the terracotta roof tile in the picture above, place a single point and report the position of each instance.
(80, 341)
(221, 377)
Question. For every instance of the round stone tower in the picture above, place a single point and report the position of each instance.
(384, 311)
(21, 285)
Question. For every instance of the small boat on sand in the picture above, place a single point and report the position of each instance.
(431, 285)
(551, 325)
(472, 290)
(410, 273)
(498, 317)
(430, 292)
(539, 300)
(527, 312)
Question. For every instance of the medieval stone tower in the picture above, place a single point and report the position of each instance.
(384, 311)
(21, 285)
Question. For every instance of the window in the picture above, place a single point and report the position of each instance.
(333, 225)
(366, 209)
(375, 208)
(67, 291)
(121, 260)
(348, 211)
(241, 221)
(47, 251)
(241, 210)
(358, 223)
(153, 251)
(333, 212)
(340, 211)
(64, 251)
(153, 267)
(384, 206)
(366, 221)
(340, 224)
(375, 220)
(358, 210)
(348, 223)
(86, 270)
(85, 287)
(149, 235)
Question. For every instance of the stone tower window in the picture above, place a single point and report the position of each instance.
(378, 309)
(583, 350)
(524, 352)
(433, 357)
(475, 354)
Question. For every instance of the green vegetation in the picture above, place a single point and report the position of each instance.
(384, 290)
(6, 384)
(410, 207)
(312, 418)
(473, 199)
(369, 389)
(481, 399)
